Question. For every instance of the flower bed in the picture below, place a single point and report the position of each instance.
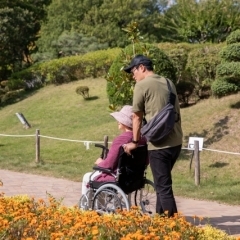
(29, 219)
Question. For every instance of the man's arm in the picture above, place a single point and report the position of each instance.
(137, 122)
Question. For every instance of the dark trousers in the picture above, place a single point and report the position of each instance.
(161, 163)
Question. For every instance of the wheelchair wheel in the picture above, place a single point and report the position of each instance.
(109, 198)
(84, 201)
(146, 198)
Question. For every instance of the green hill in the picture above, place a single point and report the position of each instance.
(58, 112)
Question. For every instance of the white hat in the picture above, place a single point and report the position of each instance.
(124, 116)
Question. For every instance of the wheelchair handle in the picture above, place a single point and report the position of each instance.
(104, 150)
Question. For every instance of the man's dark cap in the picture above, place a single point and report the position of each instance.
(136, 61)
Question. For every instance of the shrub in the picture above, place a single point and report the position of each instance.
(178, 54)
(11, 96)
(231, 53)
(66, 69)
(202, 63)
(230, 71)
(233, 37)
(120, 84)
(83, 90)
(221, 88)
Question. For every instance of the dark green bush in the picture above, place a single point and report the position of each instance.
(11, 96)
(26, 79)
(83, 90)
(120, 84)
(202, 63)
(234, 37)
(230, 71)
(231, 53)
(221, 88)
(178, 54)
(66, 69)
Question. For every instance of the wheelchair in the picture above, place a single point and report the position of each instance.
(130, 188)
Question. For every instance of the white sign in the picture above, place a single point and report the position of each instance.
(191, 143)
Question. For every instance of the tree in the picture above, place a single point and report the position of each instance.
(201, 21)
(70, 43)
(103, 19)
(20, 25)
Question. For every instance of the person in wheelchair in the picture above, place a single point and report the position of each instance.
(124, 119)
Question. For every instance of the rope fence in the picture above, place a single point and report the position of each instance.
(87, 143)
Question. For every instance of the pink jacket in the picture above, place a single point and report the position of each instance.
(112, 158)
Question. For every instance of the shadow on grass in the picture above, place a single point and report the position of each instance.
(229, 224)
(235, 105)
(219, 129)
(91, 98)
(218, 165)
(18, 98)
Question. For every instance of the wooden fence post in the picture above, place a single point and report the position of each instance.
(197, 163)
(37, 146)
(105, 145)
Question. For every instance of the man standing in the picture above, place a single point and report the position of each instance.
(149, 97)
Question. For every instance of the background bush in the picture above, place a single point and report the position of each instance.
(202, 63)
(231, 53)
(228, 71)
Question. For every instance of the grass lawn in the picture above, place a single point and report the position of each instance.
(57, 111)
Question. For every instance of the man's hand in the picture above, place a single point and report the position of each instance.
(129, 147)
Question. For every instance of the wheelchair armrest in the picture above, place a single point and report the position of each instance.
(105, 170)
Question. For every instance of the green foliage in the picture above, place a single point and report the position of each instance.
(20, 25)
(10, 96)
(202, 64)
(234, 37)
(83, 90)
(27, 79)
(67, 69)
(178, 53)
(230, 71)
(231, 53)
(201, 21)
(102, 19)
(221, 87)
(71, 43)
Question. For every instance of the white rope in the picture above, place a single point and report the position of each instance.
(85, 142)
(88, 143)
(7, 135)
(220, 151)
(213, 150)
(70, 140)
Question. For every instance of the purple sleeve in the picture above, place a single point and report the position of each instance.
(112, 157)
